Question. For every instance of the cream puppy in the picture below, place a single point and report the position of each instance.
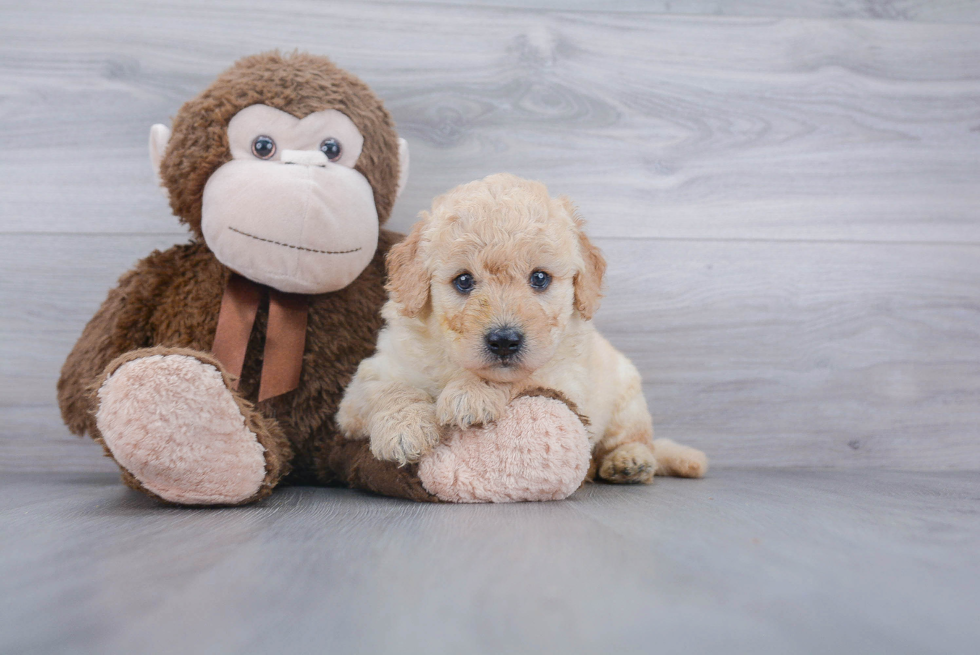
(490, 295)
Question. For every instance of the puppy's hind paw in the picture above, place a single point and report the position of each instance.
(405, 436)
(629, 464)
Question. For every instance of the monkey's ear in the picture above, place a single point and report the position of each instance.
(588, 280)
(159, 138)
(408, 279)
(402, 166)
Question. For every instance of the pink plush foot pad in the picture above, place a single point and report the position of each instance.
(171, 422)
(538, 450)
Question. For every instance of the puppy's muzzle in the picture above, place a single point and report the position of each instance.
(505, 342)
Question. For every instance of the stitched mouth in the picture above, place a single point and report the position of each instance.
(289, 245)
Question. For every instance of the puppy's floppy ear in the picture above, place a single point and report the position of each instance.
(408, 280)
(587, 281)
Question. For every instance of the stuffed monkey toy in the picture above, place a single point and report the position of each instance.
(213, 371)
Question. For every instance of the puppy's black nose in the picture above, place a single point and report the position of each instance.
(504, 342)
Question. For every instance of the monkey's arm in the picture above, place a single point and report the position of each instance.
(115, 329)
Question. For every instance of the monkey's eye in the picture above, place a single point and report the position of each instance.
(464, 282)
(540, 280)
(263, 147)
(331, 148)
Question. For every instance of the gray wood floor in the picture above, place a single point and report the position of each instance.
(746, 561)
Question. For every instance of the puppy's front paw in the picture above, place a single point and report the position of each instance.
(629, 463)
(464, 405)
(405, 435)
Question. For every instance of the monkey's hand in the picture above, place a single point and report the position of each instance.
(468, 400)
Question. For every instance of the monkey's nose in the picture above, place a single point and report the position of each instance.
(504, 342)
(304, 157)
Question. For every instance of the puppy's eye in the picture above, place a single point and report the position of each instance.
(464, 282)
(263, 147)
(540, 280)
(331, 148)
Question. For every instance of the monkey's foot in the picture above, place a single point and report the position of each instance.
(172, 423)
(537, 450)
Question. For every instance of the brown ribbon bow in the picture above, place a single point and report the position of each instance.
(285, 334)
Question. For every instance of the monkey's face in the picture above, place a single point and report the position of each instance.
(289, 210)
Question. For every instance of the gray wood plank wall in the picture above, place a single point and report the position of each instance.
(787, 193)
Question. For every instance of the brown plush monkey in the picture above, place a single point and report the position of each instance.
(284, 169)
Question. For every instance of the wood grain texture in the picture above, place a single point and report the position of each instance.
(741, 562)
(788, 354)
(678, 127)
(953, 11)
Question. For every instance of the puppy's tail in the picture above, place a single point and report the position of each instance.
(679, 461)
